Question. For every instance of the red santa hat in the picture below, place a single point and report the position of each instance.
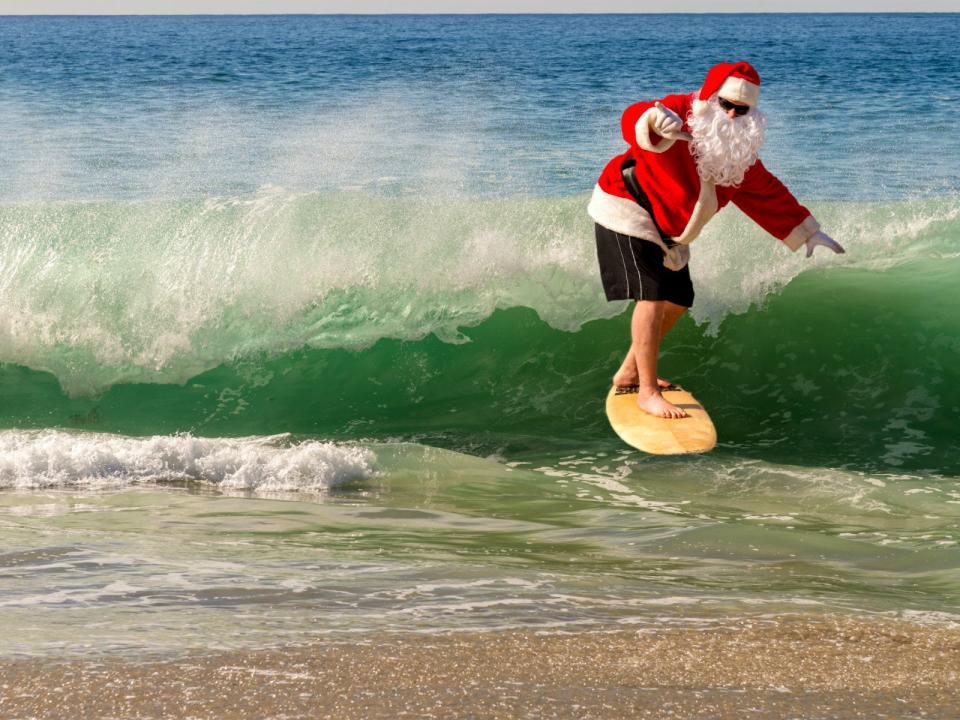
(737, 82)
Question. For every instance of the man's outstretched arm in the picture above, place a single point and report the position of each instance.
(768, 202)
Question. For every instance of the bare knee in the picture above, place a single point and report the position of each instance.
(647, 320)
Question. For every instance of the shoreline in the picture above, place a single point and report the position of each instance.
(806, 667)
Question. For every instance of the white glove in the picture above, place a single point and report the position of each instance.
(667, 124)
(819, 238)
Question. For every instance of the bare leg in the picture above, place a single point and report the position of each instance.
(627, 374)
(645, 332)
(671, 313)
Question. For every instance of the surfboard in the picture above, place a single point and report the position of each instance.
(661, 436)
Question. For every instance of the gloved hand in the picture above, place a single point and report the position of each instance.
(667, 124)
(819, 238)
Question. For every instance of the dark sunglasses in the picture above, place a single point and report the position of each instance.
(738, 109)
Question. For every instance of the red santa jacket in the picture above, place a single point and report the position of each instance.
(667, 172)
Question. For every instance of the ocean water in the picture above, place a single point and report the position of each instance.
(301, 331)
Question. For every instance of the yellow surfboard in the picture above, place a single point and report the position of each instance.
(661, 436)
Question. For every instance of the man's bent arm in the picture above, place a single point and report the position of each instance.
(636, 124)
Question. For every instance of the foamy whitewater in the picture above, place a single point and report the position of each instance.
(309, 338)
(31, 460)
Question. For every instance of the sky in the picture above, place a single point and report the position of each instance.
(171, 7)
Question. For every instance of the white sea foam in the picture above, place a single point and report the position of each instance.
(32, 459)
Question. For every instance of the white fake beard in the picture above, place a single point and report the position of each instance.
(724, 147)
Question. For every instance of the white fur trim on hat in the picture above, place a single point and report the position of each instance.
(740, 90)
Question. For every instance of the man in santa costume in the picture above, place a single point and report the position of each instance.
(689, 156)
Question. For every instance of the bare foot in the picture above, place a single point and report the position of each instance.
(654, 404)
(661, 383)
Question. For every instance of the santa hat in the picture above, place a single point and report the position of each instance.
(737, 82)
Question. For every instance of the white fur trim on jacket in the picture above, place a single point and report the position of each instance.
(801, 233)
(642, 131)
(704, 209)
(621, 215)
(628, 218)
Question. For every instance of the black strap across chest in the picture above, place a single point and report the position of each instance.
(628, 170)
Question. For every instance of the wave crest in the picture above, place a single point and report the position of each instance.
(100, 293)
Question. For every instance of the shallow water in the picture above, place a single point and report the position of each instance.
(437, 540)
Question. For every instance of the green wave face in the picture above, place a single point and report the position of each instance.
(476, 325)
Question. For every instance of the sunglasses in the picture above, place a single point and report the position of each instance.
(738, 109)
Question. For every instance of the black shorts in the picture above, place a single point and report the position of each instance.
(632, 269)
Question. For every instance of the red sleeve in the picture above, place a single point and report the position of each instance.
(768, 202)
(628, 123)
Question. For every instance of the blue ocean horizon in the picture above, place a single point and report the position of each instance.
(122, 106)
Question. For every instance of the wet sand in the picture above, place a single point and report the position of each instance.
(791, 668)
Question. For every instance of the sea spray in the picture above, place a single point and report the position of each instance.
(119, 292)
(32, 460)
